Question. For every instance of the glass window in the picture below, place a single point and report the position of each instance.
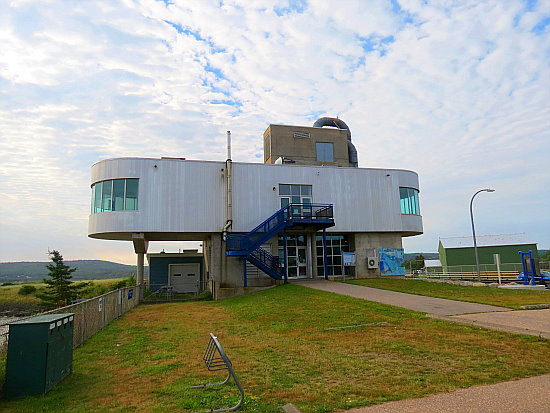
(93, 200)
(284, 189)
(131, 203)
(97, 199)
(106, 196)
(296, 194)
(336, 245)
(408, 198)
(325, 151)
(115, 195)
(118, 194)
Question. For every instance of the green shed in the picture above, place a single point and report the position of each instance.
(40, 354)
(459, 251)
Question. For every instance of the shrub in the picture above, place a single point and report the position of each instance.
(27, 289)
(7, 283)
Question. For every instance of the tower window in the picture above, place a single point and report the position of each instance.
(325, 151)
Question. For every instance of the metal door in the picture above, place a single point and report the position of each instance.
(184, 278)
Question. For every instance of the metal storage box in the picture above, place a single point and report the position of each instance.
(40, 354)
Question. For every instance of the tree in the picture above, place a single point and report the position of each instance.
(59, 290)
(415, 264)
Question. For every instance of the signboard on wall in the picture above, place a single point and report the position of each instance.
(349, 259)
(392, 261)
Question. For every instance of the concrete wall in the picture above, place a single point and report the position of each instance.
(366, 241)
(279, 141)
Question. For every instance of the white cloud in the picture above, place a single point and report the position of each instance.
(457, 91)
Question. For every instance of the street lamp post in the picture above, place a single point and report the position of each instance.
(474, 230)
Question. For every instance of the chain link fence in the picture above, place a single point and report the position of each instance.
(161, 293)
(90, 316)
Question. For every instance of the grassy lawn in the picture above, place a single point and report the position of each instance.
(484, 295)
(283, 352)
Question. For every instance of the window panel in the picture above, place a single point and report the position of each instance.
(408, 199)
(295, 189)
(131, 203)
(285, 202)
(284, 189)
(106, 196)
(97, 200)
(118, 194)
(93, 200)
(305, 190)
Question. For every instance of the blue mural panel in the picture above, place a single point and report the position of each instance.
(392, 261)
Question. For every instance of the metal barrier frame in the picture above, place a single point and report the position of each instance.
(215, 359)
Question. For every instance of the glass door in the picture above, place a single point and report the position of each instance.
(296, 255)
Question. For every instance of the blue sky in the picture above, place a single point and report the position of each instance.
(458, 91)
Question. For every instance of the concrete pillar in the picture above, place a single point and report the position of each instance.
(140, 264)
(140, 247)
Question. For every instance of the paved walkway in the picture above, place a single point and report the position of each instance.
(430, 305)
(529, 395)
(531, 322)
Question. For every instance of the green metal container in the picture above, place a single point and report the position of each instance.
(40, 354)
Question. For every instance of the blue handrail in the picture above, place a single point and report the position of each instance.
(284, 217)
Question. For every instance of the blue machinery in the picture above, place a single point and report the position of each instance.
(304, 217)
(529, 269)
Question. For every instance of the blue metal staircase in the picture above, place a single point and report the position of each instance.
(296, 216)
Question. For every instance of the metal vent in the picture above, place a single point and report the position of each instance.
(301, 134)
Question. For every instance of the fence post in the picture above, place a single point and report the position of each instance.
(497, 262)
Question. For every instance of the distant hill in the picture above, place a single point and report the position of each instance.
(426, 255)
(86, 270)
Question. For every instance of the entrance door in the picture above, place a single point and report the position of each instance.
(184, 278)
(296, 255)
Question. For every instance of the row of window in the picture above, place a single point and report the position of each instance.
(409, 201)
(122, 195)
(115, 195)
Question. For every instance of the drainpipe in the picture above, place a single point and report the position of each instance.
(228, 188)
(228, 210)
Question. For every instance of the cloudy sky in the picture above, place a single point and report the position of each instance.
(458, 91)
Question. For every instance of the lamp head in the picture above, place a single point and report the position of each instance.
(489, 190)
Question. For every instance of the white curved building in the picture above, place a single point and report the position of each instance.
(170, 199)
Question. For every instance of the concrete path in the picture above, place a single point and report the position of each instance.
(529, 395)
(430, 305)
(531, 322)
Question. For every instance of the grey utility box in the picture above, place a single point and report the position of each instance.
(40, 354)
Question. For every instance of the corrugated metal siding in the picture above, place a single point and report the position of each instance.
(189, 196)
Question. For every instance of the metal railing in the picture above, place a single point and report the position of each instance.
(91, 315)
(284, 217)
(487, 276)
(270, 262)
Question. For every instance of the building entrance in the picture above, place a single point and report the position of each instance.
(296, 255)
